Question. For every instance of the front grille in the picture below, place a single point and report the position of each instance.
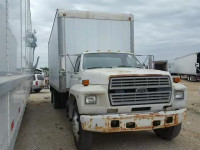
(139, 90)
(138, 82)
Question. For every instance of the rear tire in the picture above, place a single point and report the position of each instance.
(168, 133)
(52, 96)
(67, 109)
(37, 91)
(193, 78)
(56, 100)
(189, 78)
(82, 139)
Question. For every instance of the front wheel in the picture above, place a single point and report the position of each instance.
(168, 133)
(82, 139)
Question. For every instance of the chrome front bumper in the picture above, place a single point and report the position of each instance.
(132, 122)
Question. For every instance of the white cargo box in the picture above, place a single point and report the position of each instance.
(74, 32)
(188, 65)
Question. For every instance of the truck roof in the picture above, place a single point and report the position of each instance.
(94, 15)
(109, 51)
(187, 55)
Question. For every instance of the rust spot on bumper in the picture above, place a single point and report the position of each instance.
(102, 123)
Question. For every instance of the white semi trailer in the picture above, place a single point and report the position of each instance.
(94, 73)
(17, 44)
(189, 66)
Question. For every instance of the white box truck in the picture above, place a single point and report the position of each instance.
(189, 66)
(171, 68)
(16, 67)
(94, 73)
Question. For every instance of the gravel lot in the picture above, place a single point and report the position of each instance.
(44, 128)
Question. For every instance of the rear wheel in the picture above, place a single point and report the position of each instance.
(82, 139)
(56, 100)
(193, 78)
(37, 91)
(67, 109)
(168, 133)
(189, 78)
(51, 96)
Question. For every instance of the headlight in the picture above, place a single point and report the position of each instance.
(179, 94)
(90, 100)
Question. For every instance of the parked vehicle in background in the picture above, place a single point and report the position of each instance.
(160, 65)
(94, 73)
(171, 68)
(17, 45)
(38, 83)
(39, 71)
(188, 66)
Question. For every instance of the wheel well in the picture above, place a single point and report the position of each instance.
(71, 104)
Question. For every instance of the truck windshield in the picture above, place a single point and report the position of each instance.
(110, 60)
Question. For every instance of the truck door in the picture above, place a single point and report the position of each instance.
(75, 75)
(198, 64)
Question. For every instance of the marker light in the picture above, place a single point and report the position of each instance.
(177, 79)
(85, 82)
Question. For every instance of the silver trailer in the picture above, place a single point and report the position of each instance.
(189, 66)
(171, 68)
(75, 32)
(16, 66)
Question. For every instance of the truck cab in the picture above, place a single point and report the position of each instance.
(113, 92)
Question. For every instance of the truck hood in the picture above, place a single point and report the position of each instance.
(102, 75)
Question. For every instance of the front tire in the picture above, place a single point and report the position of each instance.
(82, 139)
(168, 133)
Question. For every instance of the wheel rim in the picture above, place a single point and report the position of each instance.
(75, 126)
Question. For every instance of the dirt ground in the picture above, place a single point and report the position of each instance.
(44, 128)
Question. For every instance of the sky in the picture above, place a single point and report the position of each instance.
(166, 29)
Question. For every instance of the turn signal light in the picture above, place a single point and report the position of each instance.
(85, 82)
(177, 80)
